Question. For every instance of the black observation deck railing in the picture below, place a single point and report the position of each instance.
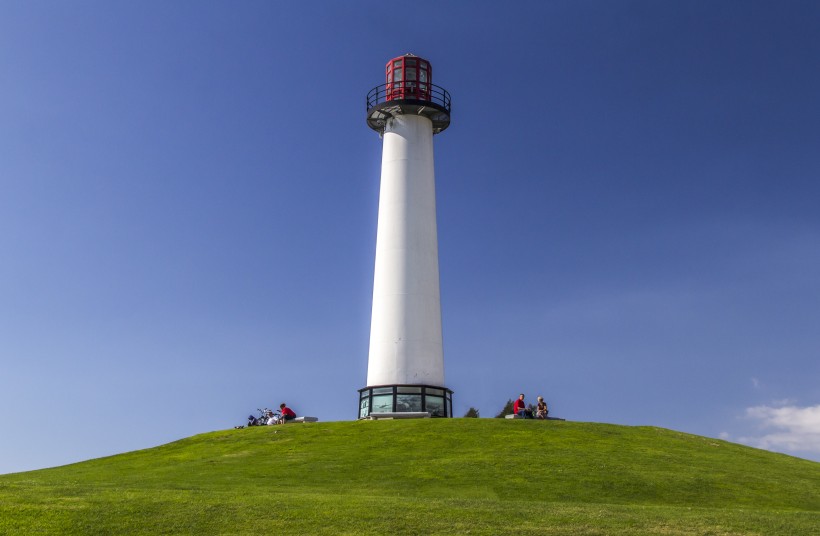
(408, 97)
(409, 91)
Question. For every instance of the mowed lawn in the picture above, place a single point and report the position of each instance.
(426, 476)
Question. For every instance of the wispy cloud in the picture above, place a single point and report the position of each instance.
(793, 428)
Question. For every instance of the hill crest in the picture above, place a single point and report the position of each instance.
(425, 475)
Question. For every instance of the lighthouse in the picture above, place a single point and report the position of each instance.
(405, 371)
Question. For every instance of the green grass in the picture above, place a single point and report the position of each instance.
(430, 476)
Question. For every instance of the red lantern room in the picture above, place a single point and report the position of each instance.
(408, 77)
(409, 89)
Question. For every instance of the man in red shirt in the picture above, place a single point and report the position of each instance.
(520, 409)
(287, 413)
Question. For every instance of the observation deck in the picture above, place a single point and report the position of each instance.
(408, 97)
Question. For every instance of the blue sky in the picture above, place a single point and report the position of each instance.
(627, 210)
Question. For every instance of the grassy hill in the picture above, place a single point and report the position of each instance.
(431, 476)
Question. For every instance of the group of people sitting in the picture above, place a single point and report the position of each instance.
(540, 411)
(269, 417)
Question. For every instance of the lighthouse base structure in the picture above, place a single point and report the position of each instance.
(435, 401)
(406, 365)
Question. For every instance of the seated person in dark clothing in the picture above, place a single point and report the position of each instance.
(541, 410)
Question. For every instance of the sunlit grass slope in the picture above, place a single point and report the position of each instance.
(456, 476)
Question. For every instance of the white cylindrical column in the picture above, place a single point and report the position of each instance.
(405, 330)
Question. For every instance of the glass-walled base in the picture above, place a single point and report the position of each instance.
(437, 401)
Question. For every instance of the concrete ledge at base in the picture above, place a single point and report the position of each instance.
(304, 419)
(399, 415)
(514, 416)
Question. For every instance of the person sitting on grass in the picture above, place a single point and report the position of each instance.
(287, 414)
(541, 410)
(520, 408)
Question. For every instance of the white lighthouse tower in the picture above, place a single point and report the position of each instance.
(405, 370)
